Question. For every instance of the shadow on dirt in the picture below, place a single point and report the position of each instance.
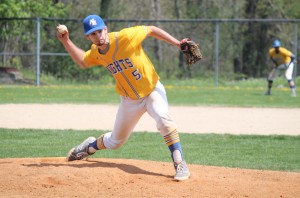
(97, 164)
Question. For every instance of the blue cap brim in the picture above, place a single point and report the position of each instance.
(94, 29)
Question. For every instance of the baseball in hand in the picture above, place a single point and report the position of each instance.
(62, 29)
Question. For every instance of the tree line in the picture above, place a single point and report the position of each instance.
(243, 46)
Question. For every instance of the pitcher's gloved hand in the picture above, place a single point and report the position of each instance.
(191, 51)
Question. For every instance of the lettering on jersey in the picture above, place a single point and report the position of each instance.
(122, 63)
(127, 60)
(119, 65)
(111, 69)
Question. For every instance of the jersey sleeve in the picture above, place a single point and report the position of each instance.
(136, 34)
(286, 52)
(90, 57)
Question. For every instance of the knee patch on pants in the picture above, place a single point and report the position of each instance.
(109, 142)
(166, 125)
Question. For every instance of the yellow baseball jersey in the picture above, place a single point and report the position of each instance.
(283, 57)
(127, 62)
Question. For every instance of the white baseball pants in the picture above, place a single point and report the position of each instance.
(130, 111)
(288, 71)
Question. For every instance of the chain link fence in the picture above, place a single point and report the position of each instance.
(232, 48)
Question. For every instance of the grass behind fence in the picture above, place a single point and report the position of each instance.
(243, 151)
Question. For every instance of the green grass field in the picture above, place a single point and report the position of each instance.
(189, 92)
(244, 151)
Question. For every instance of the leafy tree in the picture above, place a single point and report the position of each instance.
(243, 46)
(21, 29)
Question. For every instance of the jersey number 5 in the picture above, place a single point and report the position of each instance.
(136, 74)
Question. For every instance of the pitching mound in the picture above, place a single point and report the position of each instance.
(53, 177)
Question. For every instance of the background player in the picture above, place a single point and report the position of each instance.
(137, 83)
(283, 60)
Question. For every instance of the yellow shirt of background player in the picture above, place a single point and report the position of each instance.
(126, 60)
(283, 57)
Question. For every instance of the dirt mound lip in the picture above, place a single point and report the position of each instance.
(54, 177)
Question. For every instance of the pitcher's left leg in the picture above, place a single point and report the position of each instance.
(157, 107)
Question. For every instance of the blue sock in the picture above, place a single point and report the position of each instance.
(174, 147)
(94, 145)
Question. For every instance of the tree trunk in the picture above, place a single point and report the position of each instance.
(183, 72)
(255, 50)
(155, 12)
(104, 8)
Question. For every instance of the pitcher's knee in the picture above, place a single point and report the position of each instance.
(166, 125)
(113, 144)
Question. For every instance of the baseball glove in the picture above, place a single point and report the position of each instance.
(191, 51)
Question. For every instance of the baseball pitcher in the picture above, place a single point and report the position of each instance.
(137, 83)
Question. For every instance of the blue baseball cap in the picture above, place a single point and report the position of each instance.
(276, 43)
(92, 23)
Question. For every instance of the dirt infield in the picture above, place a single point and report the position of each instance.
(53, 177)
(97, 177)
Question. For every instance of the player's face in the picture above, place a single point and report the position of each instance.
(99, 37)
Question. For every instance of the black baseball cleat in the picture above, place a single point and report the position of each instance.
(81, 151)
